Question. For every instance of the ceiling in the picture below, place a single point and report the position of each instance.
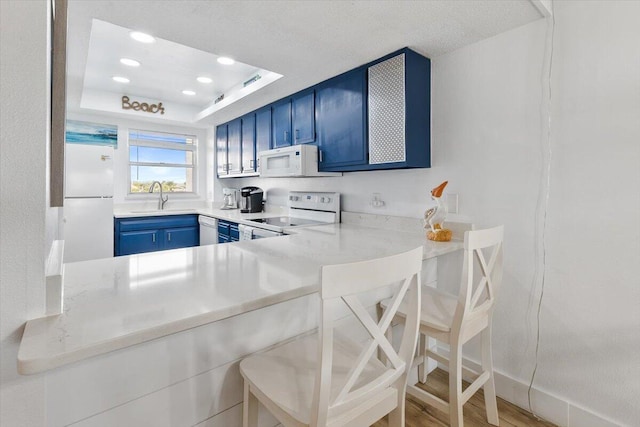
(305, 41)
(166, 68)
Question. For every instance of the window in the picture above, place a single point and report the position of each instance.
(164, 157)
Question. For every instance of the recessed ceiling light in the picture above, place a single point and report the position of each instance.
(129, 62)
(188, 92)
(120, 79)
(142, 37)
(225, 61)
(203, 79)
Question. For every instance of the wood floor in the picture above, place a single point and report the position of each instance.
(417, 415)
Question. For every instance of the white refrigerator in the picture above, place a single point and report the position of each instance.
(88, 202)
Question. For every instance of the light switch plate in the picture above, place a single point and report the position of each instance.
(452, 203)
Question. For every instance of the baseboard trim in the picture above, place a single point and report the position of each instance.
(545, 405)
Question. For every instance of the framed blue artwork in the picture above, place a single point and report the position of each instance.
(91, 133)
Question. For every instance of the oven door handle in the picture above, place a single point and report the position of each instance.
(261, 233)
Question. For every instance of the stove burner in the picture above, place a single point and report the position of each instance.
(286, 221)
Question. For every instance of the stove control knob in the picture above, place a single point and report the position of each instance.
(293, 198)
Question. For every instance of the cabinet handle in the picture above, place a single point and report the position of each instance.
(297, 134)
(153, 238)
(320, 151)
(251, 164)
(286, 136)
(257, 163)
(169, 236)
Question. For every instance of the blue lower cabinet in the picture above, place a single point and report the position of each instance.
(149, 234)
(223, 228)
(234, 232)
(135, 242)
(183, 237)
(227, 231)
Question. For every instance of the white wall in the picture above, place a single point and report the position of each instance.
(121, 158)
(591, 312)
(27, 227)
(489, 140)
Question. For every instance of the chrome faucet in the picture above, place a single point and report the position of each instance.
(162, 199)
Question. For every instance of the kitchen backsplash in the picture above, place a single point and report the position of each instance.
(404, 192)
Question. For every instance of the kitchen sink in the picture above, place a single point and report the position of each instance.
(176, 210)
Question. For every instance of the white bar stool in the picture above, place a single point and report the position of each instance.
(455, 319)
(324, 380)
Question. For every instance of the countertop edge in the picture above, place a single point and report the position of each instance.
(34, 365)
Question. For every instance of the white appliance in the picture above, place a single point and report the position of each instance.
(252, 233)
(293, 161)
(208, 230)
(88, 202)
(230, 197)
(306, 208)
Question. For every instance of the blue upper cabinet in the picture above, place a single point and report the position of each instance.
(234, 153)
(239, 141)
(263, 132)
(221, 150)
(341, 121)
(304, 117)
(249, 143)
(263, 129)
(376, 116)
(398, 106)
(281, 124)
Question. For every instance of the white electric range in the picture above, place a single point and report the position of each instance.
(306, 208)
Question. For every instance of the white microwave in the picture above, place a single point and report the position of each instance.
(293, 161)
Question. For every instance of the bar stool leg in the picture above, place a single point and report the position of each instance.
(423, 369)
(249, 408)
(489, 387)
(455, 384)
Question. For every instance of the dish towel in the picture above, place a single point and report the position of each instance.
(246, 232)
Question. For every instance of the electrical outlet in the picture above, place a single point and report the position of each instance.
(376, 201)
(452, 203)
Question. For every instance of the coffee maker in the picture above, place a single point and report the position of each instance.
(230, 200)
(251, 199)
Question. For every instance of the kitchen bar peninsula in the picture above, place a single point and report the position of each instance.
(140, 325)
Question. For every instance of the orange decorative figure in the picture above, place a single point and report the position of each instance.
(434, 217)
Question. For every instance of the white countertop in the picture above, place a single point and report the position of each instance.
(114, 303)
